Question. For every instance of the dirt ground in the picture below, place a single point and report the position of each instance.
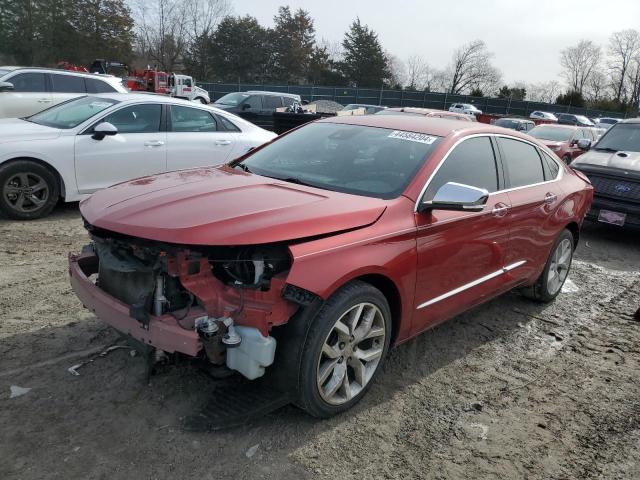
(509, 390)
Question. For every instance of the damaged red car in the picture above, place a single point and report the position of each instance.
(308, 258)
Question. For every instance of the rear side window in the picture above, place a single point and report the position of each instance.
(227, 124)
(272, 102)
(186, 119)
(288, 101)
(98, 86)
(522, 161)
(471, 163)
(68, 84)
(551, 167)
(28, 82)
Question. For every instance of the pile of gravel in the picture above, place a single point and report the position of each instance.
(326, 106)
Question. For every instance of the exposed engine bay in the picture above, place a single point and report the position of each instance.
(230, 296)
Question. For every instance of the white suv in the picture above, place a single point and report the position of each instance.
(25, 91)
(465, 108)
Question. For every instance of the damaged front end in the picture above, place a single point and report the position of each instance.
(216, 302)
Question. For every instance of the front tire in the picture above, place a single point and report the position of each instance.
(28, 190)
(555, 272)
(344, 350)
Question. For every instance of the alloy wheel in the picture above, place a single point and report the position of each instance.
(351, 353)
(559, 268)
(26, 191)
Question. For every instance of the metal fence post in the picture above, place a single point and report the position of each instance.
(424, 98)
(444, 106)
(380, 97)
(402, 98)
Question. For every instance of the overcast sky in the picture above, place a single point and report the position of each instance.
(526, 36)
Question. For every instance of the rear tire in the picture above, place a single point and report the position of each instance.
(556, 270)
(28, 190)
(344, 350)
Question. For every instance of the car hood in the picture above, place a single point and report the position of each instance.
(222, 206)
(14, 130)
(629, 161)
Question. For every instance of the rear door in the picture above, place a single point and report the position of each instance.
(196, 138)
(137, 150)
(65, 87)
(30, 95)
(533, 196)
(461, 255)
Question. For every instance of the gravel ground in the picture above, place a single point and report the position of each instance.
(509, 390)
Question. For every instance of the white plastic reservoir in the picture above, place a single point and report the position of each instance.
(253, 354)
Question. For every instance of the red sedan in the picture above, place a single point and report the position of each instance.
(312, 255)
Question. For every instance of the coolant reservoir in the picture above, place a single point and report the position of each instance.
(254, 353)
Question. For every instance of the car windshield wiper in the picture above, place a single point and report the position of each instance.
(297, 181)
(605, 149)
(243, 167)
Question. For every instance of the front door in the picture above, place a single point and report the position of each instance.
(461, 255)
(137, 150)
(195, 139)
(29, 95)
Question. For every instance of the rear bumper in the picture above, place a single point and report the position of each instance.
(631, 210)
(163, 333)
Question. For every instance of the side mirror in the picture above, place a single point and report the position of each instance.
(246, 106)
(6, 86)
(584, 144)
(458, 197)
(103, 129)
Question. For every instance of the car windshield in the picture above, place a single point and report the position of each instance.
(232, 99)
(553, 134)
(72, 113)
(621, 136)
(369, 161)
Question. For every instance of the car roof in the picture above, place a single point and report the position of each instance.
(440, 127)
(145, 97)
(61, 71)
(630, 120)
(264, 92)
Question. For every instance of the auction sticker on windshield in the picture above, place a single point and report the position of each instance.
(413, 137)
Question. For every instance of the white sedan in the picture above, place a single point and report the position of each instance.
(465, 108)
(73, 149)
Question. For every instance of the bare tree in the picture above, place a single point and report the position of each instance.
(397, 70)
(596, 87)
(624, 46)
(417, 72)
(166, 28)
(471, 68)
(545, 92)
(579, 62)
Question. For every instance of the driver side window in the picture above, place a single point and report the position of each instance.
(144, 118)
(472, 163)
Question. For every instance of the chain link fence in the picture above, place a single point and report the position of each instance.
(404, 98)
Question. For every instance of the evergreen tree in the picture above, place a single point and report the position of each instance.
(293, 44)
(365, 63)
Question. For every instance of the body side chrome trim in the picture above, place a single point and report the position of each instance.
(472, 284)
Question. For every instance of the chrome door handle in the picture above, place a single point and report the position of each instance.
(223, 142)
(550, 198)
(499, 210)
(153, 143)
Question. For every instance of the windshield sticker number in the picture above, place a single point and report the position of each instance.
(412, 137)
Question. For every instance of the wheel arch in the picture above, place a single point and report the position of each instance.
(391, 292)
(574, 228)
(48, 166)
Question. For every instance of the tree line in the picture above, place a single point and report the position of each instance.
(202, 38)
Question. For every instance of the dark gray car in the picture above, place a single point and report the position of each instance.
(613, 167)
